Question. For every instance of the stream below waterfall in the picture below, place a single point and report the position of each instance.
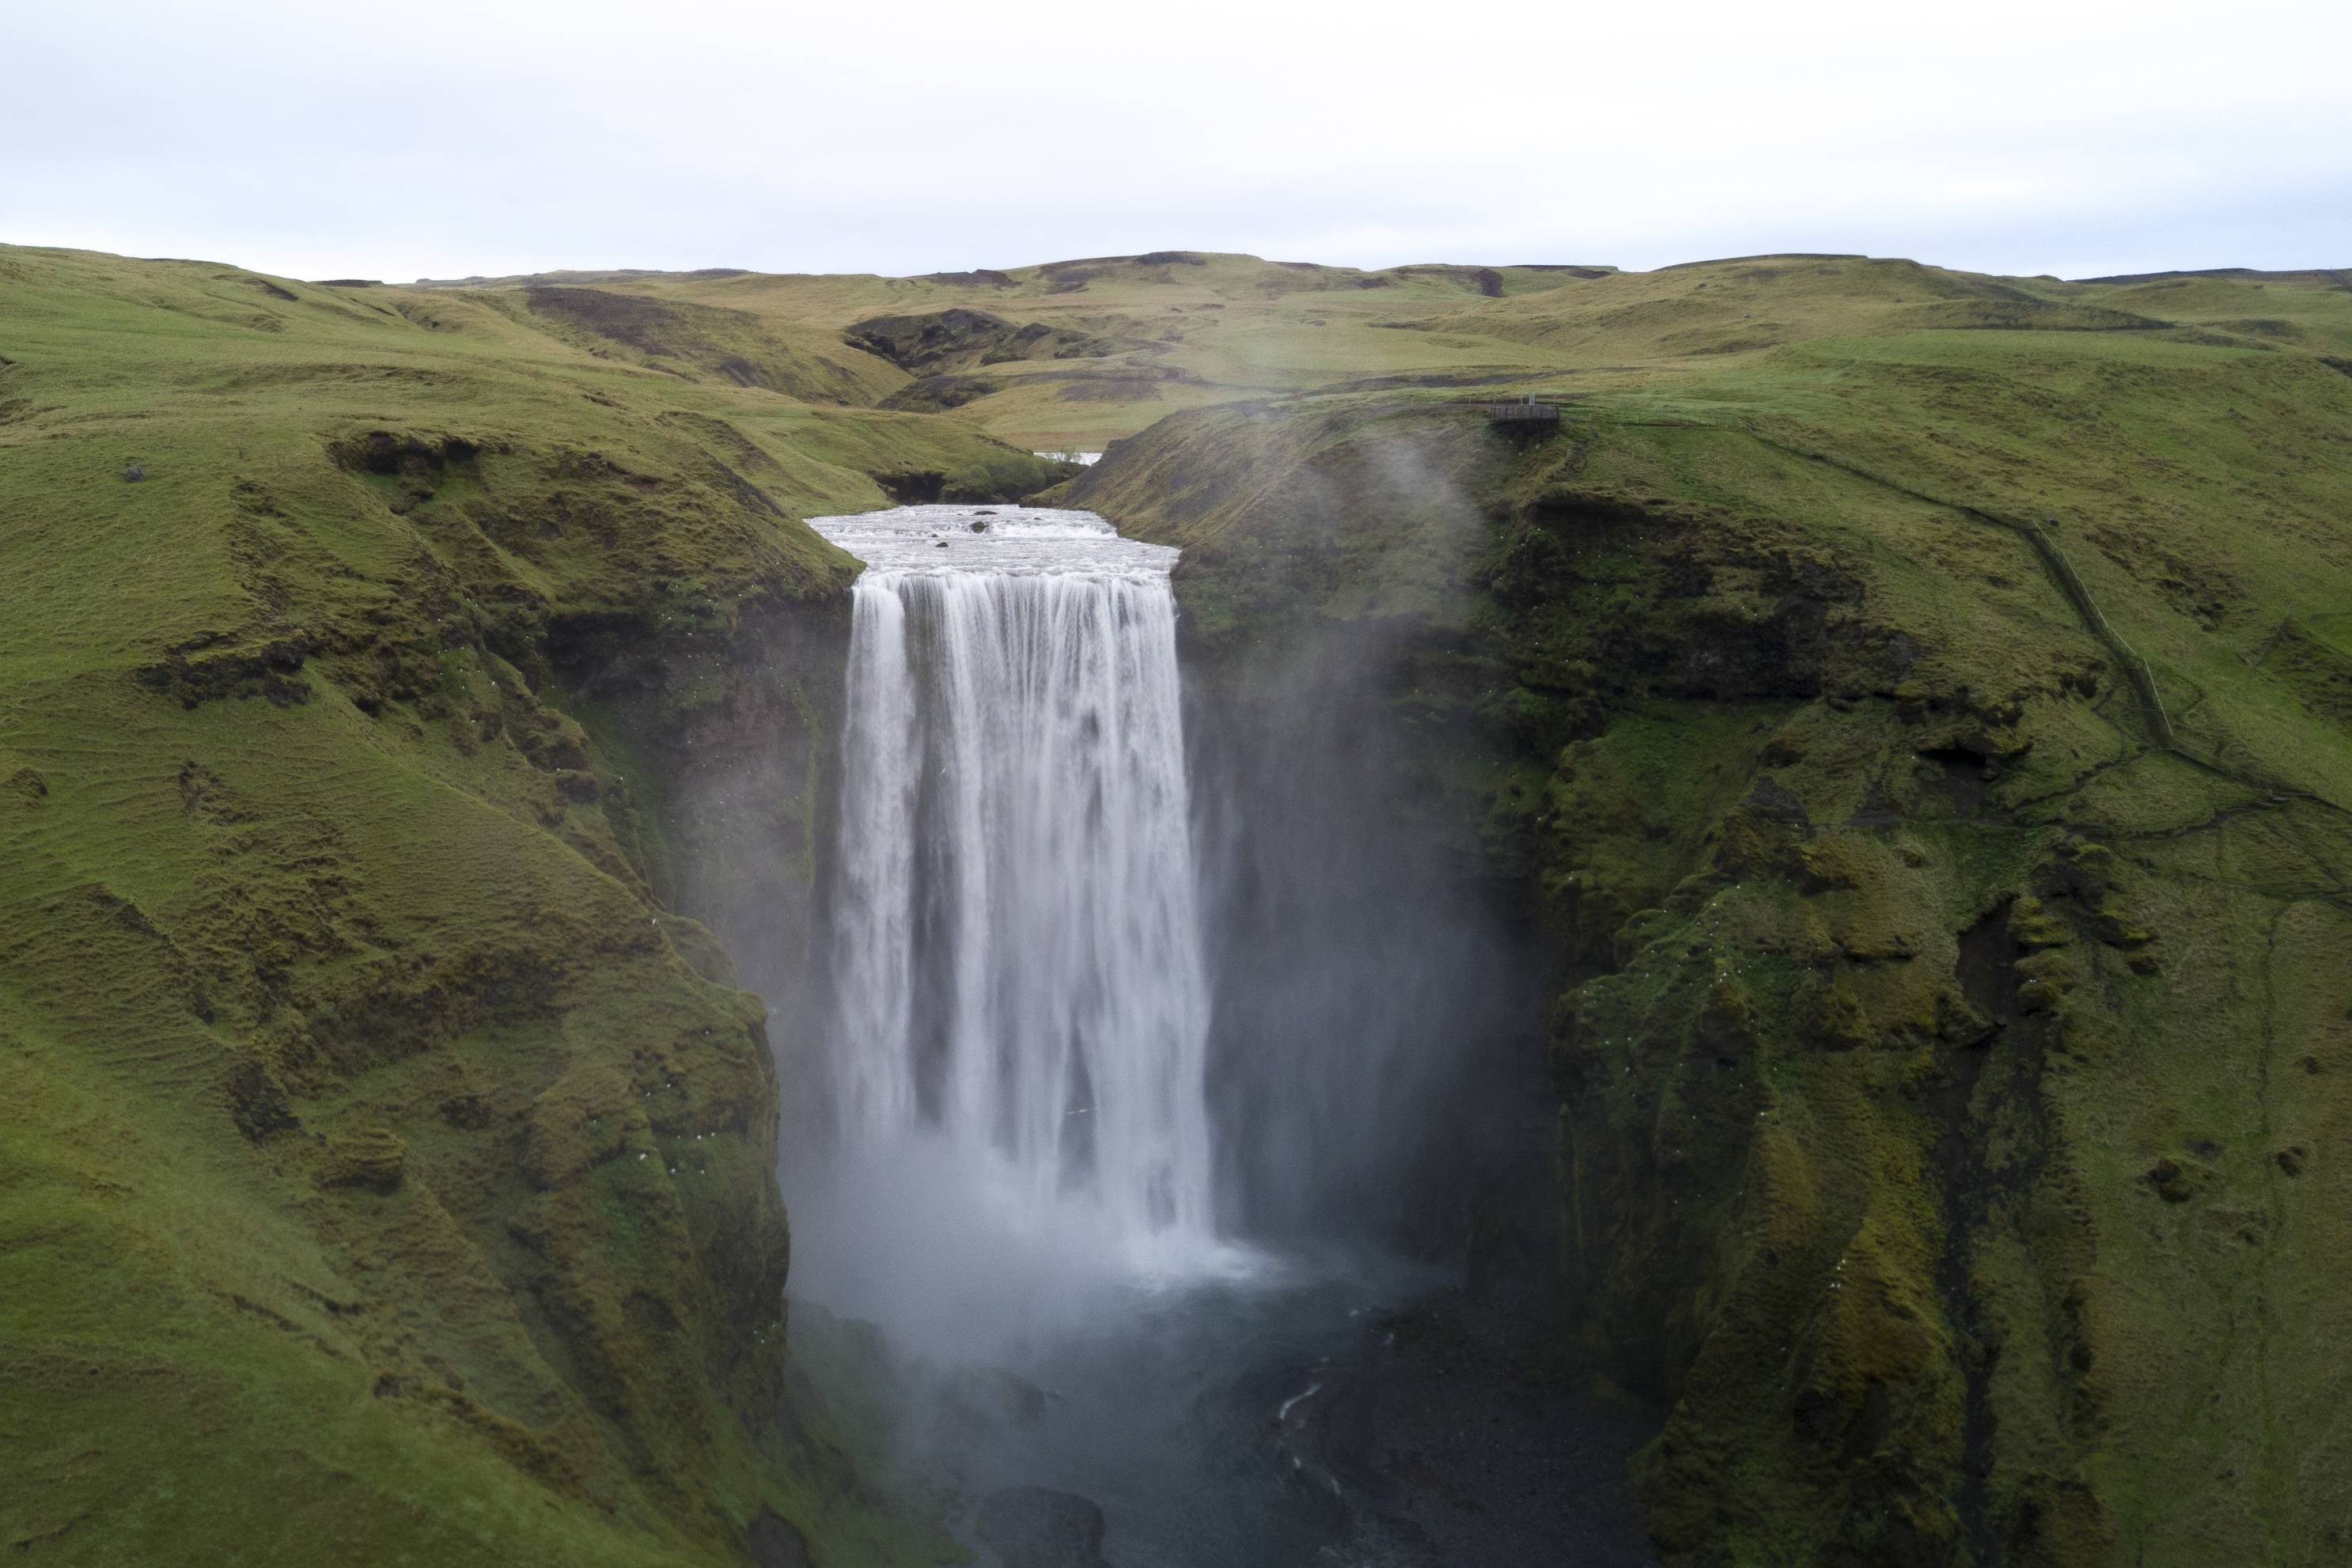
(1021, 1188)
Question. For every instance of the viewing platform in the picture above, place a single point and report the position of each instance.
(1526, 411)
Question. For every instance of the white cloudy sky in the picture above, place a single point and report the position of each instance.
(323, 140)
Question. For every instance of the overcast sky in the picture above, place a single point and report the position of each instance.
(319, 140)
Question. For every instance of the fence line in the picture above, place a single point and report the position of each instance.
(2136, 670)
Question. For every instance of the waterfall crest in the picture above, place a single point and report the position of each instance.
(1018, 955)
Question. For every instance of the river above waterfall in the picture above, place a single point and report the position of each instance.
(1017, 541)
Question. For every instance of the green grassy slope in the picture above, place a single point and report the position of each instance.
(1949, 1067)
(385, 1173)
(1948, 1035)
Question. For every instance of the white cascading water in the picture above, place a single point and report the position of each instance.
(1018, 955)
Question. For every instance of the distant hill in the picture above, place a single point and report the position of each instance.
(1187, 330)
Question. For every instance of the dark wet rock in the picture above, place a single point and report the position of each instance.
(1036, 1527)
(271, 671)
(641, 323)
(1450, 1444)
(133, 474)
(942, 341)
(2177, 1181)
(257, 1102)
(1774, 799)
(912, 486)
(467, 1112)
(776, 1542)
(993, 1393)
(938, 393)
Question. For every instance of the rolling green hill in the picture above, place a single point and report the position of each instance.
(1173, 330)
(385, 1172)
(1950, 909)
(1178, 330)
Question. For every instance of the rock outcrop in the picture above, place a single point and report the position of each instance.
(945, 342)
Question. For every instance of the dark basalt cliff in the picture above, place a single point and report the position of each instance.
(1945, 1056)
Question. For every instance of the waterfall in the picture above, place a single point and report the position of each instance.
(1018, 948)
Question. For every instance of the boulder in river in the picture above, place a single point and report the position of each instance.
(994, 1395)
(1036, 1527)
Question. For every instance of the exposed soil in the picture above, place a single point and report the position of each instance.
(938, 393)
(958, 339)
(624, 318)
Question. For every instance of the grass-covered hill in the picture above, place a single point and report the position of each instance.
(1074, 354)
(1135, 338)
(385, 1171)
(1924, 741)
(1950, 908)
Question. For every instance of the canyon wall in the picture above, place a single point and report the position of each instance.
(1940, 1052)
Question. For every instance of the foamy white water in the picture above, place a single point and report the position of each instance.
(1018, 952)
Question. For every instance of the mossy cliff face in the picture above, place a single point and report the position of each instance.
(1946, 1068)
(386, 1165)
(733, 731)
